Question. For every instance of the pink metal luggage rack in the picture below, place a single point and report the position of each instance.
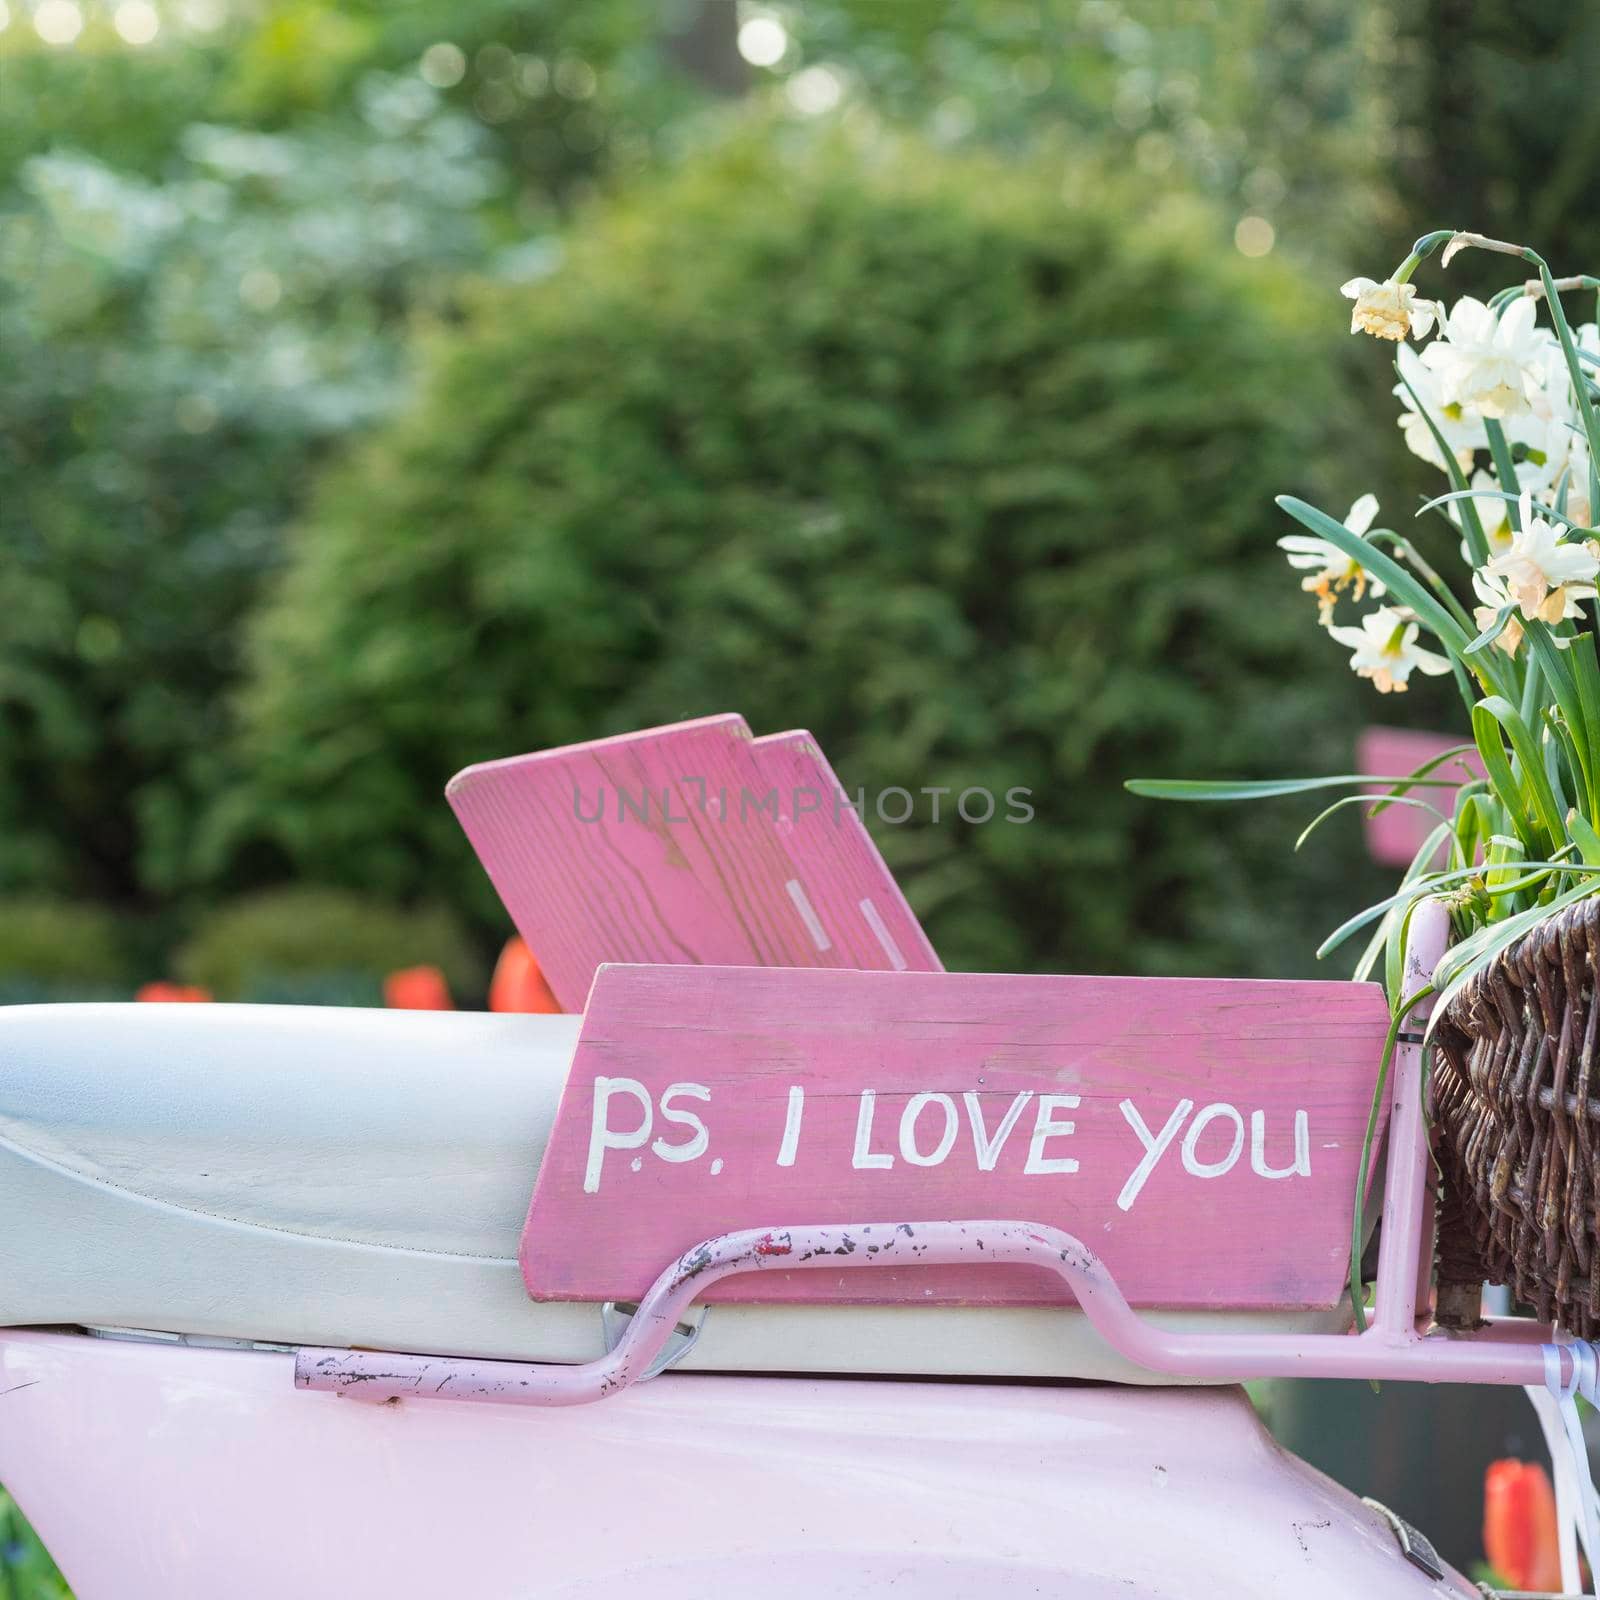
(1396, 1345)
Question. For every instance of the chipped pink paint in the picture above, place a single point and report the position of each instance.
(1396, 833)
(709, 847)
(1204, 1135)
(1503, 1352)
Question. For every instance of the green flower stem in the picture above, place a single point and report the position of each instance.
(1402, 1010)
(1534, 289)
(1505, 469)
(1429, 576)
(1569, 349)
(1530, 689)
(1471, 523)
(1558, 318)
(1424, 247)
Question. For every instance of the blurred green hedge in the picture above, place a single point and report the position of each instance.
(55, 950)
(307, 945)
(966, 467)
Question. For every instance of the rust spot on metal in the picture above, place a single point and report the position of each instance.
(693, 1264)
(773, 1244)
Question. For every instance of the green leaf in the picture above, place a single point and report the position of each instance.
(1269, 788)
(1477, 543)
(1584, 836)
(1569, 348)
(1364, 1165)
(1552, 663)
(1424, 886)
(1374, 804)
(1420, 565)
(1495, 709)
(1493, 631)
(1498, 766)
(1548, 512)
(1401, 584)
(1383, 943)
(1418, 773)
(1585, 665)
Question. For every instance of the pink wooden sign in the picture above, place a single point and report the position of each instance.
(1396, 834)
(691, 844)
(1202, 1136)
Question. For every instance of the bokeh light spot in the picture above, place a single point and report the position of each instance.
(574, 78)
(136, 21)
(195, 413)
(99, 639)
(763, 41)
(443, 65)
(204, 16)
(260, 289)
(815, 90)
(57, 21)
(533, 76)
(1254, 236)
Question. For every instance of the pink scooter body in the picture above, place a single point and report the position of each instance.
(166, 1472)
(171, 1471)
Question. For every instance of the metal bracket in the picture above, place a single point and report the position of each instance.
(617, 1315)
(1415, 1545)
(1505, 1352)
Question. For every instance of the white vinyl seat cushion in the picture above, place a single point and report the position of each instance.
(318, 1175)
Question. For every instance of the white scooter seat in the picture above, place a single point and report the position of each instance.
(326, 1176)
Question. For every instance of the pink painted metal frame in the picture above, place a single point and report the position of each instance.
(1396, 1346)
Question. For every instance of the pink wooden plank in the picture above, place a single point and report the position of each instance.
(857, 903)
(685, 844)
(1396, 834)
(1203, 1136)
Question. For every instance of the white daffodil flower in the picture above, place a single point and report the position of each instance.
(1493, 598)
(1490, 364)
(1544, 436)
(1462, 430)
(1578, 507)
(1543, 575)
(1494, 517)
(1577, 463)
(1388, 310)
(1329, 571)
(1386, 651)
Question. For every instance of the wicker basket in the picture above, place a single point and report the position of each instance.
(1517, 1100)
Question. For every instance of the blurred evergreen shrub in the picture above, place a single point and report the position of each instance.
(56, 950)
(967, 468)
(178, 352)
(308, 945)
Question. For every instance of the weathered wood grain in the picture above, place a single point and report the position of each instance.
(686, 844)
(1033, 1097)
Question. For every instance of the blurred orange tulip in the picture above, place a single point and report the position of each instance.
(417, 989)
(518, 984)
(170, 992)
(1519, 1525)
